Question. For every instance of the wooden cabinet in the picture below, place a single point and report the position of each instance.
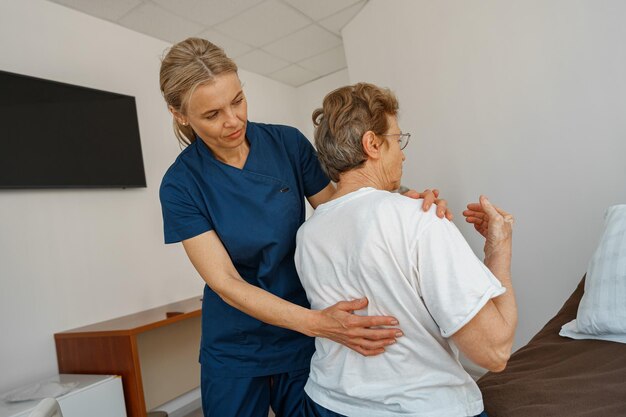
(155, 351)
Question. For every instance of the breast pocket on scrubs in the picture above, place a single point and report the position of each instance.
(259, 222)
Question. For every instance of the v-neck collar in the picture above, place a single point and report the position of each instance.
(250, 136)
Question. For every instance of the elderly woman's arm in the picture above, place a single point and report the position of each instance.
(488, 338)
(209, 257)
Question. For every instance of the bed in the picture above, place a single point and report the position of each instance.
(557, 376)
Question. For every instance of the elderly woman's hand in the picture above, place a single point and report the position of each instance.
(495, 224)
(339, 324)
(431, 197)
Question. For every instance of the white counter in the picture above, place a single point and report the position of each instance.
(93, 396)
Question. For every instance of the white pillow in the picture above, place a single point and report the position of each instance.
(602, 310)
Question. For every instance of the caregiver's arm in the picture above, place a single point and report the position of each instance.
(209, 257)
(322, 196)
(488, 338)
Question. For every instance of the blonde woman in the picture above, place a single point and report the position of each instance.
(235, 197)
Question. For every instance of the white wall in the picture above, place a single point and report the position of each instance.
(522, 100)
(311, 95)
(74, 257)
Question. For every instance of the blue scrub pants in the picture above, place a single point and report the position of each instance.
(311, 409)
(253, 396)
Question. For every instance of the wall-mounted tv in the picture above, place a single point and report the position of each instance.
(57, 135)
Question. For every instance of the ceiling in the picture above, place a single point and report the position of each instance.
(292, 41)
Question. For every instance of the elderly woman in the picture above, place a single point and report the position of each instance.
(368, 242)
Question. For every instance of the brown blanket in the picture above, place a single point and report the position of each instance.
(556, 376)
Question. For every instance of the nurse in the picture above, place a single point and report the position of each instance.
(235, 198)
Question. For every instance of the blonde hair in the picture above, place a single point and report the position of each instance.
(185, 66)
(346, 114)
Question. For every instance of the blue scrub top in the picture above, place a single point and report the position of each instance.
(256, 211)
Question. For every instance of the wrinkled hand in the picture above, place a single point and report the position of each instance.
(430, 197)
(495, 224)
(338, 324)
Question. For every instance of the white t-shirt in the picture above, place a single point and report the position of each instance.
(413, 266)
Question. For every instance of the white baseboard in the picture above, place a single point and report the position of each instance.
(183, 405)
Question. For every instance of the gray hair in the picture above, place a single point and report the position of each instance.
(347, 113)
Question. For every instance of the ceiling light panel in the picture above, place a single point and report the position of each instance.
(155, 21)
(326, 62)
(207, 12)
(319, 9)
(264, 23)
(305, 43)
(108, 10)
(294, 75)
(260, 62)
(232, 47)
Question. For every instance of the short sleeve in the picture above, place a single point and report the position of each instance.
(181, 217)
(454, 283)
(313, 176)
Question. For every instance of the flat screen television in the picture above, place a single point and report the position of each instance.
(57, 135)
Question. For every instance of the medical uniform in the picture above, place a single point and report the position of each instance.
(256, 212)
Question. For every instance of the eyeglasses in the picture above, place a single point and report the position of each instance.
(403, 138)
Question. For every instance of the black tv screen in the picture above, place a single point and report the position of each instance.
(56, 135)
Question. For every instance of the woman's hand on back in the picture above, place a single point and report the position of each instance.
(359, 333)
